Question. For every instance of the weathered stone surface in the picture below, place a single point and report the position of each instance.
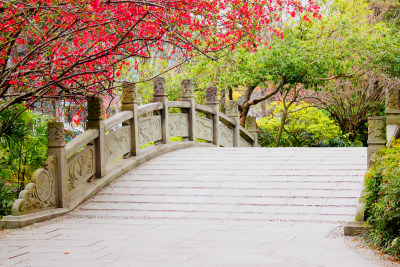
(117, 143)
(251, 124)
(204, 129)
(187, 88)
(150, 130)
(225, 136)
(95, 108)
(232, 108)
(81, 167)
(41, 193)
(55, 134)
(128, 93)
(178, 125)
(392, 98)
(376, 129)
(160, 87)
(212, 95)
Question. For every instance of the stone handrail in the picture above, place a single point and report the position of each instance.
(381, 131)
(108, 148)
(117, 119)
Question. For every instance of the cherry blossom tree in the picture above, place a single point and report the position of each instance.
(52, 49)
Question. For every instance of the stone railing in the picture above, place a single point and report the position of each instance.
(111, 147)
(381, 132)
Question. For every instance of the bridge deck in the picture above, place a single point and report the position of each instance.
(210, 207)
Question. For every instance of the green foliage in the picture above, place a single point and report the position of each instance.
(382, 200)
(305, 126)
(8, 194)
(22, 146)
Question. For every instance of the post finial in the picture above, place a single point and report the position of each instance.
(55, 134)
(95, 108)
(251, 124)
(160, 86)
(187, 88)
(212, 95)
(128, 93)
(232, 108)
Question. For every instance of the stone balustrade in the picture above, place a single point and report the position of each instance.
(111, 147)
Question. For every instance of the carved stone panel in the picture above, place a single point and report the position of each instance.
(204, 129)
(41, 193)
(150, 130)
(244, 143)
(392, 98)
(376, 129)
(117, 144)
(81, 167)
(225, 136)
(178, 125)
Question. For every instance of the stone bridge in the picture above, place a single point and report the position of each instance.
(126, 194)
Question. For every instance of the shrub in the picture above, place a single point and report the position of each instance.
(305, 126)
(8, 193)
(382, 200)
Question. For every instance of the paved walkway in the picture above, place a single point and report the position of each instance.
(210, 207)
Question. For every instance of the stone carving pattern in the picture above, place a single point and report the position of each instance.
(160, 86)
(376, 129)
(211, 94)
(150, 130)
(204, 129)
(81, 168)
(128, 93)
(95, 108)
(56, 134)
(178, 125)
(225, 136)
(393, 98)
(244, 143)
(117, 144)
(187, 88)
(41, 193)
(232, 108)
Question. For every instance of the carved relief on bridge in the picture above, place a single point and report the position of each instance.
(204, 128)
(41, 193)
(225, 136)
(376, 129)
(178, 125)
(81, 167)
(150, 130)
(244, 143)
(117, 143)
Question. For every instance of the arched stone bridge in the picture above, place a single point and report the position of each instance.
(131, 196)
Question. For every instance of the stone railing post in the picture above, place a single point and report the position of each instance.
(232, 109)
(376, 136)
(212, 101)
(129, 103)
(56, 147)
(95, 120)
(160, 95)
(392, 111)
(251, 126)
(187, 95)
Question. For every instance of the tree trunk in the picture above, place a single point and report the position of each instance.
(278, 140)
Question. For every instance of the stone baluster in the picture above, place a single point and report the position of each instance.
(160, 95)
(187, 95)
(95, 120)
(232, 109)
(56, 147)
(212, 102)
(392, 111)
(129, 103)
(251, 126)
(376, 136)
